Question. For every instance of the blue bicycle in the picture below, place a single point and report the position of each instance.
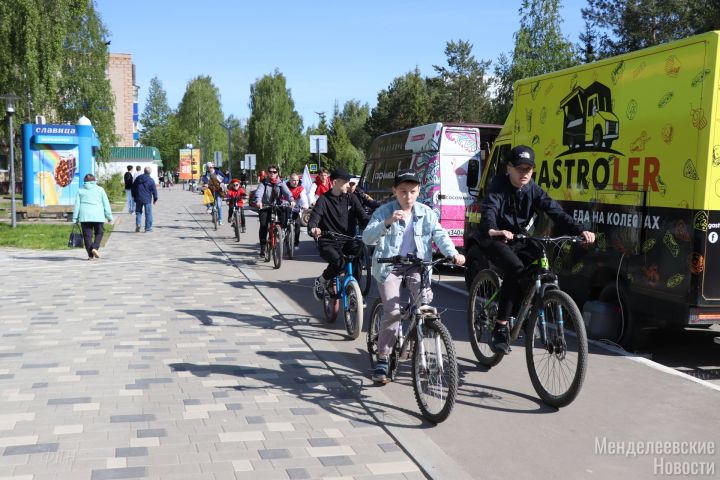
(345, 291)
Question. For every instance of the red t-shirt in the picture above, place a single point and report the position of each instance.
(239, 193)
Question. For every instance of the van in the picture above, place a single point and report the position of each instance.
(440, 154)
(630, 147)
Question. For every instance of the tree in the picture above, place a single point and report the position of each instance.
(354, 116)
(159, 127)
(405, 103)
(461, 89)
(200, 115)
(342, 152)
(540, 48)
(275, 128)
(83, 86)
(628, 25)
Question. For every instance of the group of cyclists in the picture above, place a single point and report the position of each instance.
(402, 226)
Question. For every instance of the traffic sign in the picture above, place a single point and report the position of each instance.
(318, 142)
(250, 161)
(313, 167)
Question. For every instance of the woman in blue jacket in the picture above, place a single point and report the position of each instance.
(92, 208)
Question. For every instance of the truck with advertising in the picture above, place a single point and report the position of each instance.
(440, 154)
(630, 147)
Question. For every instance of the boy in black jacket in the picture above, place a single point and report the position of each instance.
(509, 208)
(128, 179)
(336, 211)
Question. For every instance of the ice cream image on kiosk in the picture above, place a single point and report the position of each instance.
(55, 159)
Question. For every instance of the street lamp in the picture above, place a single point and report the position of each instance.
(10, 110)
(228, 127)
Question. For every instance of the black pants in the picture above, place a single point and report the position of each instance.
(88, 229)
(264, 217)
(332, 252)
(231, 210)
(510, 259)
(296, 220)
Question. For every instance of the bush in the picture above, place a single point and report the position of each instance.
(114, 186)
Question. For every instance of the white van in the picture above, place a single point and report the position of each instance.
(440, 154)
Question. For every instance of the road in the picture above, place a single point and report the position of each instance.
(499, 428)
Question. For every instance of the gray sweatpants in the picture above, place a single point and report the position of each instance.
(390, 296)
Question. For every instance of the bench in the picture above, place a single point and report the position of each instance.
(51, 211)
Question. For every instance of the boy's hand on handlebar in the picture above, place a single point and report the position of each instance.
(259, 205)
(505, 235)
(588, 236)
(396, 215)
(459, 259)
(315, 232)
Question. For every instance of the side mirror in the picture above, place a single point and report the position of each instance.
(473, 173)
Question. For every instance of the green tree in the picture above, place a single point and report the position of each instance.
(629, 25)
(275, 128)
(159, 126)
(405, 103)
(342, 152)
(540, 47)
(354, 116)
(200, 115)
(460, 91)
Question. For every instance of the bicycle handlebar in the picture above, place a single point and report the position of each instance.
(414, 260)
(562, 238)
(331, 234)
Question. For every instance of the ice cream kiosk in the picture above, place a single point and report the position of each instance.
(55, 159)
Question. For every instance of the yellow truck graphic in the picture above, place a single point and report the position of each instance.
(630, 146)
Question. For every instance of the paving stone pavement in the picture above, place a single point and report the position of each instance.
(161, 360)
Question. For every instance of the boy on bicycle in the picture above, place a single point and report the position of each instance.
(214, 180)
(333, 212)
(271, 191)
(401, 227)
(509, 209)
(235, 198)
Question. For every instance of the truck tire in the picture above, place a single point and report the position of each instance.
(597, 137)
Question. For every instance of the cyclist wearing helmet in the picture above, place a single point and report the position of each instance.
(509, 209)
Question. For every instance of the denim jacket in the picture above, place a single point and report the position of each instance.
(389, 239)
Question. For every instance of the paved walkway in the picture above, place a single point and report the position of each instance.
(164, 360)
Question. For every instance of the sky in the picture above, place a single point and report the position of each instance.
(329, 51)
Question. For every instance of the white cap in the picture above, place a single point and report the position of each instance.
(209, 164)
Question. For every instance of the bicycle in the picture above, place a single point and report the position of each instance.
(215, 210)
(236, 221)
(363, 263)
(428, 343)
(555, 339)
(290, 231)
(345, 292)
(275, 241)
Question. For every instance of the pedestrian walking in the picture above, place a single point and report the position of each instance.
(145, 196)
(92, 208)
(128, 179)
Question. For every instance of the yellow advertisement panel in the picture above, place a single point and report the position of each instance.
(190, 166)
(633, 130)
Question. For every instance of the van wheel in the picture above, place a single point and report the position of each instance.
(597, 137)
(630, 334)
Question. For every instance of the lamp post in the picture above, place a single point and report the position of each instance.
(228, 127)
(10, 110)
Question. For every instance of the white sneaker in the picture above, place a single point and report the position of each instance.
(220, 222)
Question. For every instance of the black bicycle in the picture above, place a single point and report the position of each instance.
(238, 217)
(428, 343)
(555, 340)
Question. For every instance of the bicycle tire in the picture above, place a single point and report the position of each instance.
(376, 317)
(362, 269)
(481, 316)
(269, 245)
(556, 361)
(277, 252)
(214, 217)
(236, 225)
(331, 307)
(354, 313)
(290, 240)
(435, 388)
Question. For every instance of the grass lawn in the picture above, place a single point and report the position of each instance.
(40, 236)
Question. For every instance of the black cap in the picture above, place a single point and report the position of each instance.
(340, 173)
(406, 176)
(522, 154)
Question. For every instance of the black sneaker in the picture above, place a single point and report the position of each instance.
(262, 251)
(500, 341)
(242, 230)
(137, 228)
(380, 375)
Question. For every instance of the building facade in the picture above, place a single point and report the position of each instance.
(121, 73)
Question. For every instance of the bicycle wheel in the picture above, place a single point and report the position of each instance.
(557, 359)
(435, 371)
(376, 317)
(214, 217)
(361, 270)
(331, 306)
(481, 315)
(236, 225)
(277, 252)
(290, 240)
(270, 244)
(354, 312)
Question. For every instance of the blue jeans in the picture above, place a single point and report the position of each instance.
(218, 202)
(130, 201)
(148, 215)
